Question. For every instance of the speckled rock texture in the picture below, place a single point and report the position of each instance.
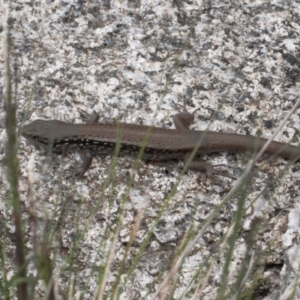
(239, 63)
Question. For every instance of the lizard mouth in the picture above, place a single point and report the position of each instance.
(36, 140)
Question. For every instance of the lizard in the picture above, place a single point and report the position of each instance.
(158, 144)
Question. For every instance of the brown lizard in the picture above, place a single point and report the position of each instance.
(157, 143)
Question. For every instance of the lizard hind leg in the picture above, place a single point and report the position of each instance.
(183, 119)
(205, 168)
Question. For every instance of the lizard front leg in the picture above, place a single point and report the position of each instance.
(87, 155)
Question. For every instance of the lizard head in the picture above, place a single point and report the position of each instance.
(39, 133)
